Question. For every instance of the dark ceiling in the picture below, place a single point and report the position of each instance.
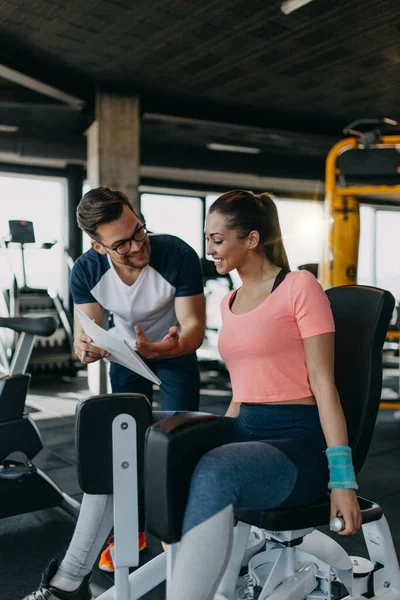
(237, 72)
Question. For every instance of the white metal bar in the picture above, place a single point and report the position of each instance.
(144, 579)
(126, 529)
(172, 551)
(381, 550)
(295, 587)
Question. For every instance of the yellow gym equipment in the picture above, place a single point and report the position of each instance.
(375, 158)
(366, 150)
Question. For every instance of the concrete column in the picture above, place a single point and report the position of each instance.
(72, 233)
(75, 178)
(113, 145)
(113, 159)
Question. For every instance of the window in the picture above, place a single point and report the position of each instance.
(366, 271)
(379, 249)
(40, 200)
(387, 251)
(302, 226)
(177, 215)
(86, 241)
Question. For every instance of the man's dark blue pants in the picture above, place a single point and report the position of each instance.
(180, 382)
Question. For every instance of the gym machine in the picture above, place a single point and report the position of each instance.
(54, 355)
(23, 487)
(367, 164)
(281, 552)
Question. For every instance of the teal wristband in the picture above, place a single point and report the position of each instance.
(341, 468)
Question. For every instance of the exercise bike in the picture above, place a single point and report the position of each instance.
(23, 487)
(56, 355)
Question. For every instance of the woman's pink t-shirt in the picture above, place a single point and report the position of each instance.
(263, 349)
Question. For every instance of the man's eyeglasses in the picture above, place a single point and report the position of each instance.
(125, 246)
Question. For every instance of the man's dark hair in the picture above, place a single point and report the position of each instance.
(98, 206)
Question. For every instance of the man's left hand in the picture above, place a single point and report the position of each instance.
(164, 349)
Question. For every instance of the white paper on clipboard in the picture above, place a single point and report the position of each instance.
(119, 349)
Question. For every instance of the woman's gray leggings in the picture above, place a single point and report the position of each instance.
(276, 458)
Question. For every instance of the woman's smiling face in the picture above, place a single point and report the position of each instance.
(223, 245)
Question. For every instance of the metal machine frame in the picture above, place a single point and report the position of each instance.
(342, 205)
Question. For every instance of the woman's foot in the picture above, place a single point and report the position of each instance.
(46, 591)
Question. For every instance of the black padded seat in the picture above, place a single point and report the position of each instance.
(33, 324)
(316, 514)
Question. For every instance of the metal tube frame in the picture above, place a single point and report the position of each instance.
(22, 354)
(333, 191)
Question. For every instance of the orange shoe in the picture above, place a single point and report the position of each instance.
(142, 541)
(106, 557)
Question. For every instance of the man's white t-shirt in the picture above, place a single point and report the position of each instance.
(174, 270)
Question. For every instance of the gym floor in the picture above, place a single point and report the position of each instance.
(28, 542)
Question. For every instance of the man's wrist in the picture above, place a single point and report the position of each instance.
(179, 350)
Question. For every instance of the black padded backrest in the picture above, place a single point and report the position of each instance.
(93, 437)
(362, 316)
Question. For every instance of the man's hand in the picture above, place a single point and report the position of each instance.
(345, 501)
(84, 343)
(165, 349)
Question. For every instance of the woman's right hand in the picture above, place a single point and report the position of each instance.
(83, 343)
(344, 502)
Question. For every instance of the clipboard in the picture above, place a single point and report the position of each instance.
(119, 349)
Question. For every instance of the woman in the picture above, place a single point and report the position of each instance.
(285, 419)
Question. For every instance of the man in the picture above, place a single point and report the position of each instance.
(150, 288)
(151, 285)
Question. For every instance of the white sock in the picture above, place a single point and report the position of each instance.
(64, 584)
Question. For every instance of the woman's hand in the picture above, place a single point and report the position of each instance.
(344, 501)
